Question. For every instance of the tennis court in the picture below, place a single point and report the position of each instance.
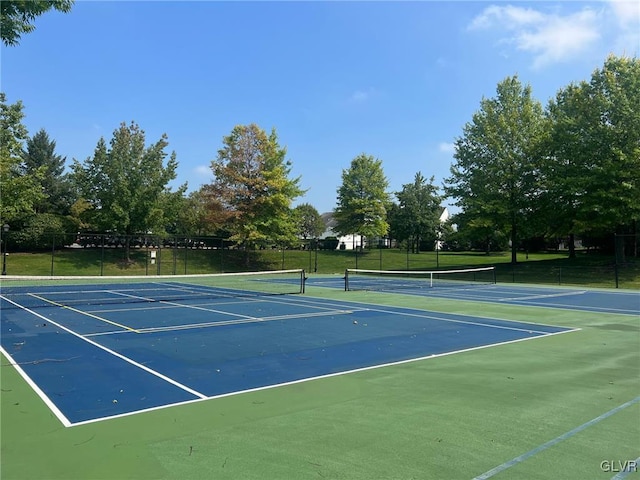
(102, 350)
(275, 376)
(478, 284)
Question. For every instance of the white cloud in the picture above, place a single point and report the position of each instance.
(560, 39)
(361, 96)
(627, 13)
(447, 147)
(627, 18)
(549, 37)
(203, 171)
(511, 17)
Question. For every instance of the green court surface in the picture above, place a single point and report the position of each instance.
(553, 407)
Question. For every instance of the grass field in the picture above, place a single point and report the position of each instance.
(587, 269)
(449, 417)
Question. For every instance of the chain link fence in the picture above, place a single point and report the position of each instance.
(107, 254)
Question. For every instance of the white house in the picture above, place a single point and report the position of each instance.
(354, 241)
(345, 242)
(444, 217)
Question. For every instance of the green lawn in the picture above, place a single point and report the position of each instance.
(549, 268)
(450, 417)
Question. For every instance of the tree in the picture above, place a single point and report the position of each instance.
(20, 193)
(17, 16)
(418, 214)
(592, 168)
(363, 199)
(251, 193)
(193, 215)
(495, 177)
(475, 233)
(310, 223)
(126, 184)
(40, 155)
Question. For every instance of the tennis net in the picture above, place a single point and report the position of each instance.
(69, 291)
(359, 279)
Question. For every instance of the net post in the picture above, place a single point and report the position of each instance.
(431, 279)
(303, 280)
(346, 280)
(495, 279)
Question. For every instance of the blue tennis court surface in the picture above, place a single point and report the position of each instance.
(615, 301)
(124, 350)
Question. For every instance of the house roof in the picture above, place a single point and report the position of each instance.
(329, 222)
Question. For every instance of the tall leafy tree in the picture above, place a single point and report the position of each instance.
(251, 193)
(475, 233)
(40, 155)
(363, 199)
(566, 169)
(17, 16)
(193, 215)
(126, 183)
(20, 193)
(495, 176)
(310, 223)
(592, 168)
(418, 215)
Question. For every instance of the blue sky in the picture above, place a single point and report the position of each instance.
(396, 80)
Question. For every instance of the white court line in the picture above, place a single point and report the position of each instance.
(430, 315)
(222, 323)
(329, 375)
(129, 307)
(80, 312)
(469, 322)
(580, 308)
(194, 307)
(541, 296)
(319, 303)
(112, 352)
(52, 406)
(206, 309)
(241, 318)
(517, 301)
(625, 473)
(555, 441)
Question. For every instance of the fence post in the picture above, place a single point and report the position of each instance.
(53, 250)
(174, 251)
(221, 254)
(186, 251)
(102, 256)
(408, 255)
(315, 265)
